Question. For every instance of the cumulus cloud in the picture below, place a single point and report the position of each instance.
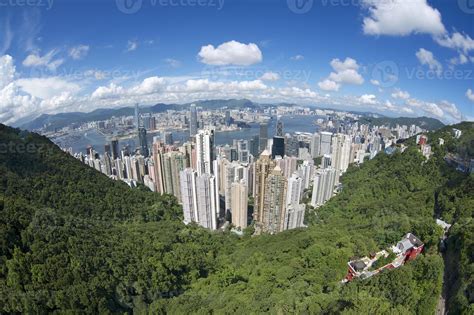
(7, 70)
(79, 52)
(230, 53)
(110, 91)
(19, 98)
(401, 17)
(368, 99)
(270, 76)
(329, 85)
(47, 87)
(458, 41)
(375, 82)
(48, 61)
(425, 57)
(345, 72)
(399, 94)
(150, 85)
(442, 110)
(470, 95)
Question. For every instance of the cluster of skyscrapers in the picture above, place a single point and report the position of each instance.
(265, 181)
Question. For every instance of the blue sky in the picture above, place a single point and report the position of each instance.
(397, 57)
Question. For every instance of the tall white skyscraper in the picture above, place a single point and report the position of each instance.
(294, 216)
(206, 199)
(340, 156)
(188, 195)
(325, 143)
(323, 186)
(205, 151)
(198, 195)
(295, 189)
(315, 145)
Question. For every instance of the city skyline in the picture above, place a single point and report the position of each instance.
(420, 67)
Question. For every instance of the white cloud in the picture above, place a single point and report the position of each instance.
(399, 94)
(48, 61)
(19, 98)
(401, 17)
(79, 52)
(270, 76)
(345, 72)
(458, 41)
(231, 53)
(7, 70)
(470, 95)
(47, 87)
(442, 110)
(110, 91)
(173, 63)
(150, 85)
(375, 82)
(297, 58)
(131, 45)
(368, 99)
(461, 60)
(328, 85)
(426, 58)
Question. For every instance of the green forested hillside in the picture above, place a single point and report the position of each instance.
(73, 240)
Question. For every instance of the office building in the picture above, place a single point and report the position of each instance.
(193, 121)
(263, 138)
(278, 146)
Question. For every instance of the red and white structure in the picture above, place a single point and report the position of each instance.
(406, 249)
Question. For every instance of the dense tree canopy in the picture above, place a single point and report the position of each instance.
(73, 240)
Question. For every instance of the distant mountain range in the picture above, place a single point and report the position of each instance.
(424, 122)
(57, 121)
(61, 120)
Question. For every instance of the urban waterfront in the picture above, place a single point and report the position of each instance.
(79, 141)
